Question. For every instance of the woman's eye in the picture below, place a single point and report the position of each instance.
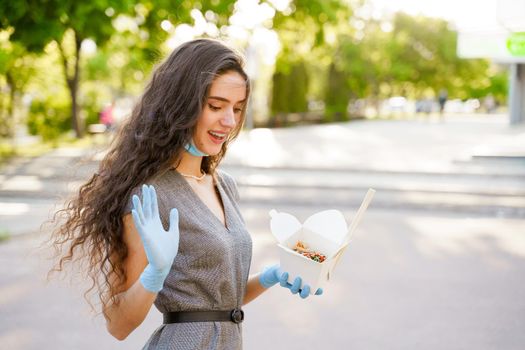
(214, 108)
(237, 110)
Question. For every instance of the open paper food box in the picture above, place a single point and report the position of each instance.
(325, 232)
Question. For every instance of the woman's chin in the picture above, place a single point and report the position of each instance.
(212, 151)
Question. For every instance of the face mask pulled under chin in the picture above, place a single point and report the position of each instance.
(193, 150)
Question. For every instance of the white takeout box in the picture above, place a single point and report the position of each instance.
(325, 232)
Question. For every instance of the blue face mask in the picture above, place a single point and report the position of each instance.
(193, 150)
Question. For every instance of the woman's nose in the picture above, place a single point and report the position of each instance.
(229, 118)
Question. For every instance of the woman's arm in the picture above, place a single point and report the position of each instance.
(253, 288)
(151, 251)
(134, 301)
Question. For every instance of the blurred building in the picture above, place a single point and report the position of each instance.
(504, 43)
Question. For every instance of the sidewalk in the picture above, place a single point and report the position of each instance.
(421, 282)
(473, 164)
(428, 279)
(32, 189)
(456, 146)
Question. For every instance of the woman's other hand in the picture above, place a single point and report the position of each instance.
(273, 275)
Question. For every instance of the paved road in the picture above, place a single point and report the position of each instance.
(408, 281)
(436, 263)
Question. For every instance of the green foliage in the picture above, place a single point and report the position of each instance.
(302, 33)
(324, 55)
(48, 118)
(499, 85)
(304, 26)
(97, 67)
(298, 88)
(4, 235)
(92, 108)
(68, 23)
(279, 93)
(36, 23)
(337, 95)
(176, 11)
(96, 95)
(417, 58)
(290, 90)
(15, 71)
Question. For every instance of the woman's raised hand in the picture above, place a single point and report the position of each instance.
(160, 246)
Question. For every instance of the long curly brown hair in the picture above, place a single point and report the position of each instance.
(149, 142)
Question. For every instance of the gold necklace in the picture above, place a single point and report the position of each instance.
(198, 178)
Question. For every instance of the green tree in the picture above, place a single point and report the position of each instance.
(302, 33)
(151, 13)
(289, 91)
(15, 72)
(359, 67)
(423, 56)
(415, 58)
(68, 23)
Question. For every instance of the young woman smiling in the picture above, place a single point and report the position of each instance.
(159, 223)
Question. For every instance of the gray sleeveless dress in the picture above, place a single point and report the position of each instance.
(210, 270)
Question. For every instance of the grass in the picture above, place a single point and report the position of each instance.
(4, 235)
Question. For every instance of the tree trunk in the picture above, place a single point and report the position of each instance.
(10, 118)
(4, 114)
(72, 81)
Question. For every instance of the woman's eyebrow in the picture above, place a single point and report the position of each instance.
(224, 99)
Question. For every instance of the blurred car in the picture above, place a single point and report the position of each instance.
(396, 104)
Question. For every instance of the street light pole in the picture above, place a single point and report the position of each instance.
(511, 16)
(517, 93)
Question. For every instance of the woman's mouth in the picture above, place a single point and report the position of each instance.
(217, 137)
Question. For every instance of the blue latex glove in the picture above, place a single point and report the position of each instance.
(160, 246)
(273, 275)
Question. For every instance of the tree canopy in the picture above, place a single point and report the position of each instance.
(329, 52)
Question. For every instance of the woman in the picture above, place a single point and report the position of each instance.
(181, 242)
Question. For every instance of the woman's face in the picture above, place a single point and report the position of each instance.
(221, 113)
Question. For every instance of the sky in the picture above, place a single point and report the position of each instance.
(466, 14)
